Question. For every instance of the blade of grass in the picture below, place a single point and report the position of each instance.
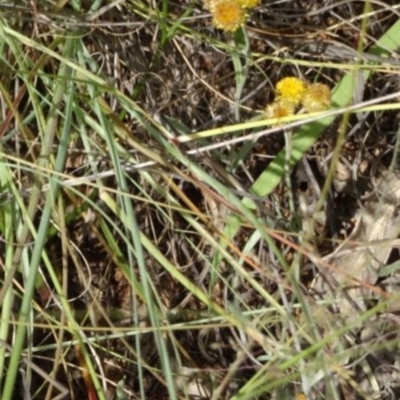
(62, 86)
(242, 53)
(8, 216)
(137, 258)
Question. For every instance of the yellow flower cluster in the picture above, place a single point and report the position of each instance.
(229, 15)
(291, 93)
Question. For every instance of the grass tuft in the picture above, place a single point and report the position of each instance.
(197, 213)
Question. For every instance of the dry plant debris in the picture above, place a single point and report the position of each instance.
(348, 277)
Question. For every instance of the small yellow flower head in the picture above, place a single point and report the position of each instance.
(291, 89)
(227, 15)
(280, 108)
(248, 3)
(317, 97)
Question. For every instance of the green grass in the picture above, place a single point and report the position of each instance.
(195, 267)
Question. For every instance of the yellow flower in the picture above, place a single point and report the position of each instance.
(248, 3)
(317, 97)
(280, 108)
(291, 89)
(227, 14)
